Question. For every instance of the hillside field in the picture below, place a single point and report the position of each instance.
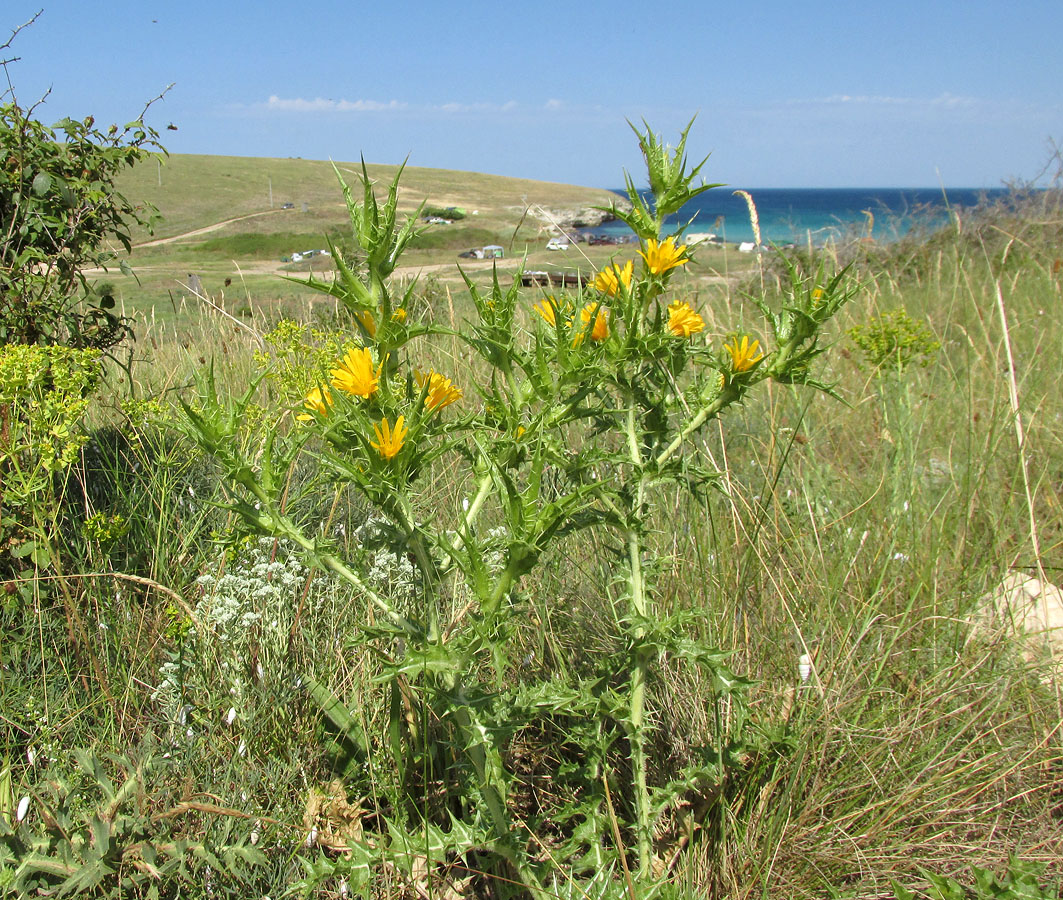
(718, 579)
(217, 223)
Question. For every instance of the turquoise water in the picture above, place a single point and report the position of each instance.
(800, 215)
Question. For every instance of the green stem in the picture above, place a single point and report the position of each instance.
(281, 526)
(728, 395)
(637, 700)
(778, 365)
(477, 503)
(487, 763)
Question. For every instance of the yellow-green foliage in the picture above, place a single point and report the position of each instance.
(45, 392)
(302, 356)
(893, 340)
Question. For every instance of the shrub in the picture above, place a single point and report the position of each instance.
(59, 208)
(890, 342)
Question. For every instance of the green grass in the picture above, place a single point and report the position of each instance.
(861, 533)
(200, 192)
(196, 191)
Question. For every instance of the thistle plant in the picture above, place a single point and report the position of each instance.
(583, 407)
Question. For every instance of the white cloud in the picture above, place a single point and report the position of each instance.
(319, 104)
(946, 100)
(479, 107)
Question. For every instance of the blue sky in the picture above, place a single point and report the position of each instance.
(786, 94)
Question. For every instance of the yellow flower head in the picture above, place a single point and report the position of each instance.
(599, 330)
(399, 315)
(388, 443)
(355, 373)
(441, 392)
(682, 320)
(547, 309)
(368, 322)
(608, 280)
(660, 257)
(319, 400)
(745, 355)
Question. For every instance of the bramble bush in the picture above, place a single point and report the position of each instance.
(59, 212)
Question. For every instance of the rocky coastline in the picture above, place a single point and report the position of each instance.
(565, 219)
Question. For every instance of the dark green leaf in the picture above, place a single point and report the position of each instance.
(42, 183)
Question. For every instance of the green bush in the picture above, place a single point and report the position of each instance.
(59, 211)
(44, 394)
(453, 213)
(893, 340)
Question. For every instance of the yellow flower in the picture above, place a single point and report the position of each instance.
(388, 443)
(682, 320)
(441, 392)
(599, 330)
(547, 309)
(745, 355)
(399, 315)
(608, 280)
(319, 400)
(355, 373)
(660, 257)
(368, 322)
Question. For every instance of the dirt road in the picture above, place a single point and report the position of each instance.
(205, 230)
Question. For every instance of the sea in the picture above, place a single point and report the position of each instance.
(819, 215)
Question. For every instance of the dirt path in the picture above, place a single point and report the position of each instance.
(206, 229)
(271, 267)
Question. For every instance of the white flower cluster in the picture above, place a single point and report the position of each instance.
(244, 613)
(264, 586)
(387, 571)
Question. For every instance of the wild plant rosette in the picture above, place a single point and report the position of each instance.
(575, 411)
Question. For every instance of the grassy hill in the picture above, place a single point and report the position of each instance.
(232, 222)
(193, 192)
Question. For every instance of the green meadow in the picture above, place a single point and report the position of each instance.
(252, 647)
(220, 221)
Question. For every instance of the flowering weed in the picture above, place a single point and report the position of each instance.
(573, 386)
